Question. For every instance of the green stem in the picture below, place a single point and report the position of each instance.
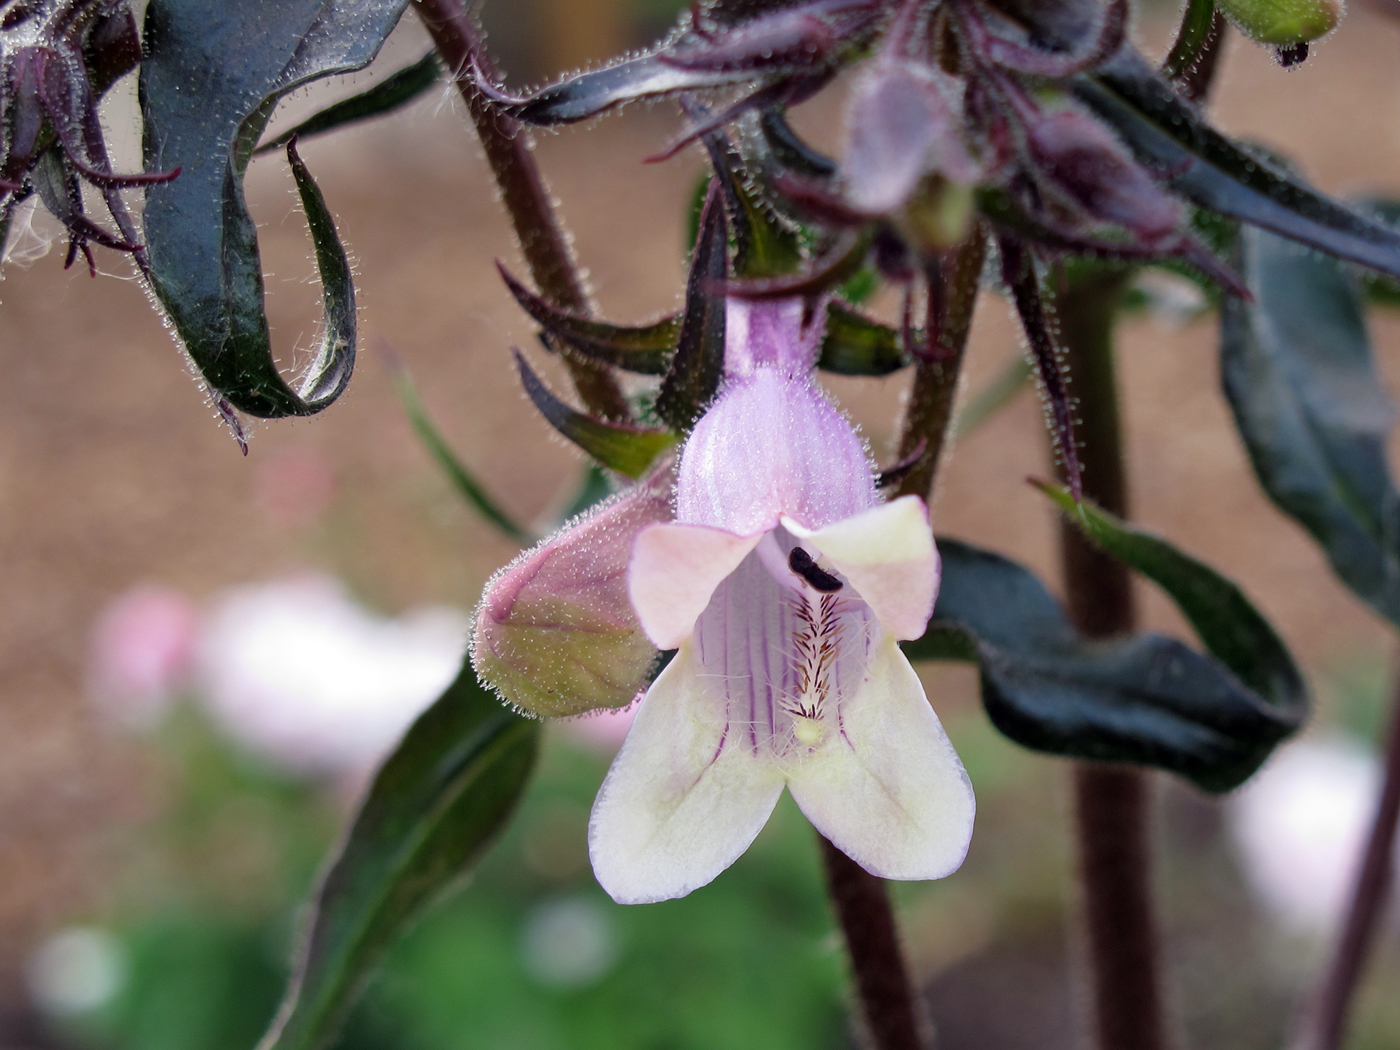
(523, 191)
(1112, 804)
(1196, 54)
(952, 299)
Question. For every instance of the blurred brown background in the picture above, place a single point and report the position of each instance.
(113, 470)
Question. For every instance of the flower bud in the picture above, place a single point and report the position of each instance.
(1283, 23)
(555, 634)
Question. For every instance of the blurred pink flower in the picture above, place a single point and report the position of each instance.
(602, 731)
(297, 671)
(141, 653)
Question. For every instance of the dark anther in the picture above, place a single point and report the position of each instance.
(800, 562)
(1295, 55)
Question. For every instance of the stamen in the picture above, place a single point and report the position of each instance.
(801, 563)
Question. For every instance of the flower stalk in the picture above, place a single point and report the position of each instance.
(1325, 1020)
(952, 298)
(523, 193)
(1112, 804)
(888, 1000)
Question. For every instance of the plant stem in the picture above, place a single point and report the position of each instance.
(863, 908)
(1112, 803)
(1324, 1023)
(888, 1000)
(952, 298)
(1196, 54)
(523, 191)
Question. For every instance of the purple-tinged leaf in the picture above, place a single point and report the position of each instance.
(843, 259)
(643, 349)
(1018, 271)
(588, 94)
(801, 35)
(693, 378)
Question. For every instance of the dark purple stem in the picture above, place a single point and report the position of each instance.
(523, 192)
(1112, 804)
(1324, 1023)
(887, 997)
(952, 298)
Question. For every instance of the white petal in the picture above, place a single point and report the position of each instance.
(887, 554)
(684, 797)
(888, 790)
(674, 572)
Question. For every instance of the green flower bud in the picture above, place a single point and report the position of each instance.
(1283, 23)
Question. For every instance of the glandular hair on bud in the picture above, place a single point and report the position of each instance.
(939, 215)
(1283, 23)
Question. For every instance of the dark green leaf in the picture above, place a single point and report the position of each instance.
(856, 345)
(698, 363)
(1314, 414)
(1382, 291)
(391, 93)
(644, 349)
(213, 72)
(1211, 171)
(1148, 700)
(470, 489)
(1223, 618)
(625, 449)
(433, 809)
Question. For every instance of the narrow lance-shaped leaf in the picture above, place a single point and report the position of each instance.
(643, 349)
(1148, 699)
(430, 814)
(213, 71)
(1211, 171)
(625, 449)
(392, 93)
(696, 367)
(462, 479)
(1312, 410)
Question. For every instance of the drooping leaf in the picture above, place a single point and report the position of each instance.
(1299, 375)
(462, 479)
(1223, 618)
(1148, 699)
(392, 93)
(856, 345)
(696, 367)
(213, 71)
(1211, 171)
(644, 349)
(626, 449)
(430, 814)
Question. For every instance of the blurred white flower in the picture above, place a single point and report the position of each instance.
(569, 943)
(76, 970)
(1300, 826)
(297, 671)
(141, 653)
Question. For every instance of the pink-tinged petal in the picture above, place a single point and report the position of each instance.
(673, 573)
(683, 799)
(889, 791)
(772, 444)
(887, 554)
(555, 634)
